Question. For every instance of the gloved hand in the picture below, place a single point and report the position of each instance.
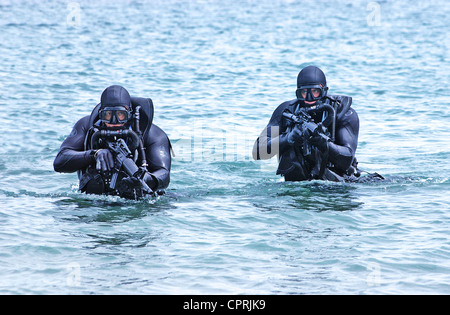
(104, 160)
(319, 140)
(295, 136)
(130, 188)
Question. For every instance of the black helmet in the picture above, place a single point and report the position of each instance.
(115, 105)
(311, 84)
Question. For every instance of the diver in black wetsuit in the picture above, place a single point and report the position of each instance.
(118, 116)
(332, 136)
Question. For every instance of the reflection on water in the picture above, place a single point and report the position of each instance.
(322, 196)
(92, 208)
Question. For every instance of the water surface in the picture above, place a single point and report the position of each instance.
(216, 70)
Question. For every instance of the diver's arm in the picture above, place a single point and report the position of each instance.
(273, 139)
(269, 143)
(72, 156)
(157, 151)
(342, 151)
(69, 161)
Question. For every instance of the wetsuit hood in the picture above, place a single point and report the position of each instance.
(311, 75)
(311, 79)
(115, 95)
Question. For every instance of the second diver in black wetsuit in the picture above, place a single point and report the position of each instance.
(315, 135)
(117, 150)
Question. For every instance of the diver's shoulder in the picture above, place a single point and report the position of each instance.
(342, 99)
(285, 105)
(343, 105)
(156, 135)
(154, 129)
(289, 103)
(83, 123)
(85, 119)
(276, 118)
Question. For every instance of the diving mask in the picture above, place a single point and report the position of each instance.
(311, 93)
(114, 115)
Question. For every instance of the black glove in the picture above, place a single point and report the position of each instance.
(104, 160)
(319, 139)
(295, 136)
(130, 188)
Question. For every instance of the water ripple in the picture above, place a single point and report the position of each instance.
(227, 224)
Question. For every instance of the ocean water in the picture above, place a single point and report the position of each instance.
(216, 70)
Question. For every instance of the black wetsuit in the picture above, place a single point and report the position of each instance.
(73, 156)
(294, 166)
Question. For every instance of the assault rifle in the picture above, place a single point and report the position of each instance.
(124, 162)
(113, 140)
(309, 128)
